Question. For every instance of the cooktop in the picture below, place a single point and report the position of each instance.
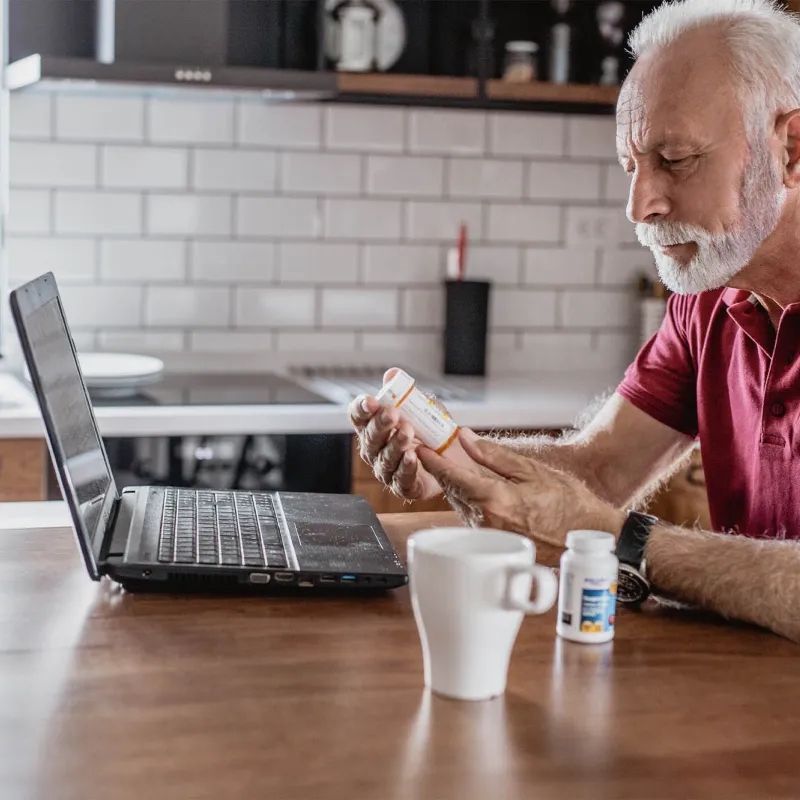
(212, 389)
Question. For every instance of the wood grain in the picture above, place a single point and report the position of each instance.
(541, 91)
(409, 85)
(23, 467)
(106, 694)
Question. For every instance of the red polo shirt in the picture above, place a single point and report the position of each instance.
(717, 370)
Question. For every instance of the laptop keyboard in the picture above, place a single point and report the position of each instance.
(228, 528)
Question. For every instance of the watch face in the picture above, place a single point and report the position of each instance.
(632, 587)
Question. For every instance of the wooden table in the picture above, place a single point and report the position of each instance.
(112, 695)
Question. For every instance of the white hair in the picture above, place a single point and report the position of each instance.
(763, 42)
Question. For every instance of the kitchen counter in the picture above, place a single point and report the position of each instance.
(542, 400)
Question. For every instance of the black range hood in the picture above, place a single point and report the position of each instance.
(51, 72)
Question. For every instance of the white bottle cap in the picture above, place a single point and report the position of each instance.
(396, 389)
(591, 542)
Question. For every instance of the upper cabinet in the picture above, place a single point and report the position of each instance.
(545, 54)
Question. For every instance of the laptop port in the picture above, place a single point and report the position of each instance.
(327, 579)
(348, 578)
(284, 577)
(305, 582)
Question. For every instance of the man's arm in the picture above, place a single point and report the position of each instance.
(753, 580)
(621, 454)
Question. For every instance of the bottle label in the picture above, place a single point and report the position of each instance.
(598, 607)
(434, 427)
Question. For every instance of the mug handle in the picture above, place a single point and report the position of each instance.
(546, 589)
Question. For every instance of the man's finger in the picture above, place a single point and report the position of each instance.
(473, 487)
(389, 458)
(406, 481)
(362, 410)
(498, 459)
(377, 432)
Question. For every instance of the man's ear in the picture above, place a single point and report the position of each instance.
(787, 132)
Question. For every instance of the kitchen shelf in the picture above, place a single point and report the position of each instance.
(441, 90)
(540, 91)
(406, 85)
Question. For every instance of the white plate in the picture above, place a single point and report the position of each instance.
(119, 370)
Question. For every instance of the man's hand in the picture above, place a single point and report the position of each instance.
(516, 493)
(389, 446)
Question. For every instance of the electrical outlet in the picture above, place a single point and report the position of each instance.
(595, 227)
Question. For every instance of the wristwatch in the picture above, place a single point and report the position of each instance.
(633, 587)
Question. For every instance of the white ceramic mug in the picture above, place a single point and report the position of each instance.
(470, 589)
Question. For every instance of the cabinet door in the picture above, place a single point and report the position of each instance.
(23, 465)
(50, 27)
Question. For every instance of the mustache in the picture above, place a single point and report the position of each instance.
(664, 234)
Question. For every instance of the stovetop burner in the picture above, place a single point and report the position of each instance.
(213, 389)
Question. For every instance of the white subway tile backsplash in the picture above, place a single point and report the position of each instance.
(524, 223)
(29, 211)
(188, 215)
(278, 217)
(362, 219)
(52, 164)
(522, 308)
(31, 115)
(403, 343)
(498, 264)
(594, 227)
(230, 262)
(440, 222)
(616, 350)
(324, 173)
(561, 181)
(234, 170)
(102, 306)
(137, 340)
(617, 183)
(318, 262)
(70, 259)
(405, 176)
(447, 132)
(526, 134)
(592, 137)
(144, 167)
(402, 264)
(188, 122)
(625, 267)
(549, 266)
(484, 178)
(146, 260)
(565, 350)
(228, 341)
(274, 307)
(423, 308)
(269, 125)
(598, 308)
(188, 306)
(343, 342)
(364, 129)
(359, 308)
(98, 213)
(96, 118)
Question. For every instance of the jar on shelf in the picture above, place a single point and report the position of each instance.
(520, 61)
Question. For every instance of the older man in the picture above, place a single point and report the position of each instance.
(708, 128)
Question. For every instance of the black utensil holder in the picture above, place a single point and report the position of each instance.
(465, 327)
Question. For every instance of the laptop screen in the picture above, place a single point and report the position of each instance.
(74, 440)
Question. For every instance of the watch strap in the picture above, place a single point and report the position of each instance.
(633, 538)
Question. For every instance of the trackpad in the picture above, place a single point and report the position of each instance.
(326, 534)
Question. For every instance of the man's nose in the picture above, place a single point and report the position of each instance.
(648, 199)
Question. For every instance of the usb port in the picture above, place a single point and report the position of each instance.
(305, 582)
(284, 577)
(327, 579)
(348, 578)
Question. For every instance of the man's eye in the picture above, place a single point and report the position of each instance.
(676, 162)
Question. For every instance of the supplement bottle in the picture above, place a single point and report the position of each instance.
(587, 597)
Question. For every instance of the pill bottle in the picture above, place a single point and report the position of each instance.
(433, 427)
(587, 596)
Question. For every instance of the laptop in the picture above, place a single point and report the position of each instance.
(176, 539)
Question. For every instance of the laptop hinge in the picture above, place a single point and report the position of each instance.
(113, 538)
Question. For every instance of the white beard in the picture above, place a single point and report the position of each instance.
(720, 257)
